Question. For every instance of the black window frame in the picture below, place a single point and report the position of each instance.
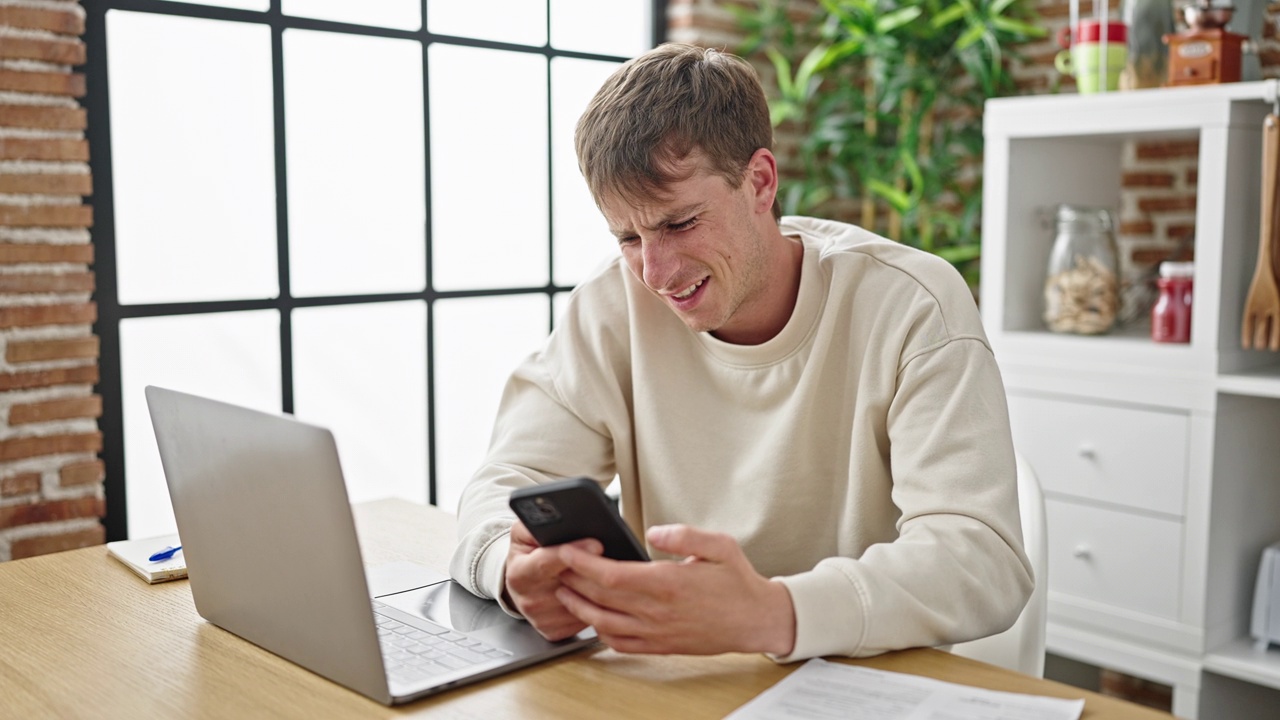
(111, 312)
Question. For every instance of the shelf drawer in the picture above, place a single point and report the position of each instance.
(1113, 557)
(1118, 455)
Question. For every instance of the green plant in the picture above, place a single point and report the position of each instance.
(886, 97)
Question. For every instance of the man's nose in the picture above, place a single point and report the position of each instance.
(659, 263)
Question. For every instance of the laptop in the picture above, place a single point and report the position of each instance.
(272, 556)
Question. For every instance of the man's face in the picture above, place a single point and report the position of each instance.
(699, 249)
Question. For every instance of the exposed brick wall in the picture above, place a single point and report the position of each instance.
(1157, 207)
(51, 495)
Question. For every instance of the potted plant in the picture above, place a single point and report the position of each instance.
(885, 100)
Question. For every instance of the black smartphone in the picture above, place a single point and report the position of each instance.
(568, 510)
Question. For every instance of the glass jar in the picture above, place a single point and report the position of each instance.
(1081, 289)
(1171, 315)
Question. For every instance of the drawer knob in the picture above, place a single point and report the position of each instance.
(1087, 451)
(1082, 552)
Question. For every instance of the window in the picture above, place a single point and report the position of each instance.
(361, 213)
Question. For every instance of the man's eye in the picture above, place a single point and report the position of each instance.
(685, 225)
(629, 240)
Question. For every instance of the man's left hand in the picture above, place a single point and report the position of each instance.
(711, 602)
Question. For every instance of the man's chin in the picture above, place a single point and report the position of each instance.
(693, 322)
(697, 324)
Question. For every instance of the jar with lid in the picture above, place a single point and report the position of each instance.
(1081, 290)
(1171, 315)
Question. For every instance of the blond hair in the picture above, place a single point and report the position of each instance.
(663, 106)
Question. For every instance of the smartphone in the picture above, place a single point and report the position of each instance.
(568, 510)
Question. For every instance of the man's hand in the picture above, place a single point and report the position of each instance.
(711, 602)
(532, 576)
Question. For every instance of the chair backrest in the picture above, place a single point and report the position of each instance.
(1021, 647)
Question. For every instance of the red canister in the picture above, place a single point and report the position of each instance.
(1171, 316)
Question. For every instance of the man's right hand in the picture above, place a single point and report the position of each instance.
(531, 578)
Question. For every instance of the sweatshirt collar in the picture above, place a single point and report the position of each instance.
(799, 327)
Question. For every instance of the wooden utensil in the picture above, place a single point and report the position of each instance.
(1261, 326)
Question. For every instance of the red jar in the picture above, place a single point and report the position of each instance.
(1171, 316)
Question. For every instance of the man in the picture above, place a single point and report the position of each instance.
(805, 417)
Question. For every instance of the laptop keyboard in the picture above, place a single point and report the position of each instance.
(413, 654)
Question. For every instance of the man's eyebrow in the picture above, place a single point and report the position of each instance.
(680, 213)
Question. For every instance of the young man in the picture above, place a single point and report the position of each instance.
(806, 418)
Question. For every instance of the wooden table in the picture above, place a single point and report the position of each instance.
(82, 636)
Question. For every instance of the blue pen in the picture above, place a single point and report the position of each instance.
(165, 554)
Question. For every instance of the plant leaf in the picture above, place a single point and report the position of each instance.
(955, 254)
(781, 111)
(889, 22)
(804, 84)
(782, 67)
(1017, 27)
(970, 36)
(895, 197)
(948, 16)
(916, 177)
(999, 6)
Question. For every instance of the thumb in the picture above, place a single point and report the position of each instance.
(684, 540)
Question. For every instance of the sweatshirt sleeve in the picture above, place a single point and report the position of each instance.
(536, 439)
(957, 570)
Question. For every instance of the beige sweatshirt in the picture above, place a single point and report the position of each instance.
(862, 456)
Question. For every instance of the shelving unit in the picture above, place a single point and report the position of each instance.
(1161, 463)
(1241, 660)
(1263, 382)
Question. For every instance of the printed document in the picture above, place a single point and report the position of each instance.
(820, 690)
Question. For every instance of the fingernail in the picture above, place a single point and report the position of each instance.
(658, 533)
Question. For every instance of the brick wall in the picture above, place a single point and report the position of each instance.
(1157, 207)
(51, 494)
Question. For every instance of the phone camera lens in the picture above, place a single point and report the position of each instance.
(538, 511)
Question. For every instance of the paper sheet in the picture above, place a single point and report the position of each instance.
(822, 690)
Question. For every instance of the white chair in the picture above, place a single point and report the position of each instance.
(1021, 647)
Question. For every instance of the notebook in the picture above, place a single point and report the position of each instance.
(136, 554)
(272, 556)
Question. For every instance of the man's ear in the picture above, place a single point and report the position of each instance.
(762, 177)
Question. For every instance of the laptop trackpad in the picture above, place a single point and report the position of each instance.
(451, 605)
(397, 577)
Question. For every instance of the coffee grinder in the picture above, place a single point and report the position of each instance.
(1206, 53)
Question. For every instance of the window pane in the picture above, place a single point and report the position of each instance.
(488, 168)
(513, 21)
(357, 207)
(582, 238)
(262, 5)
(234, 357)
(478, 342)
(617, 27)
(194, 220)
(379, 418)
(399, 14)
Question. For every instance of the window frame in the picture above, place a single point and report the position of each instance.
(111, 312)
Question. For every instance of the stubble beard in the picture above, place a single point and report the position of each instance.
(749, 278)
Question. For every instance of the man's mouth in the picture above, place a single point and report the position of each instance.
(684, 294)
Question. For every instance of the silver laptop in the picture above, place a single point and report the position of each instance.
(272, 556)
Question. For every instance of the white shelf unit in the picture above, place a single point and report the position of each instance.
(1161, 462)
(1262, 382)
(1241, 660)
